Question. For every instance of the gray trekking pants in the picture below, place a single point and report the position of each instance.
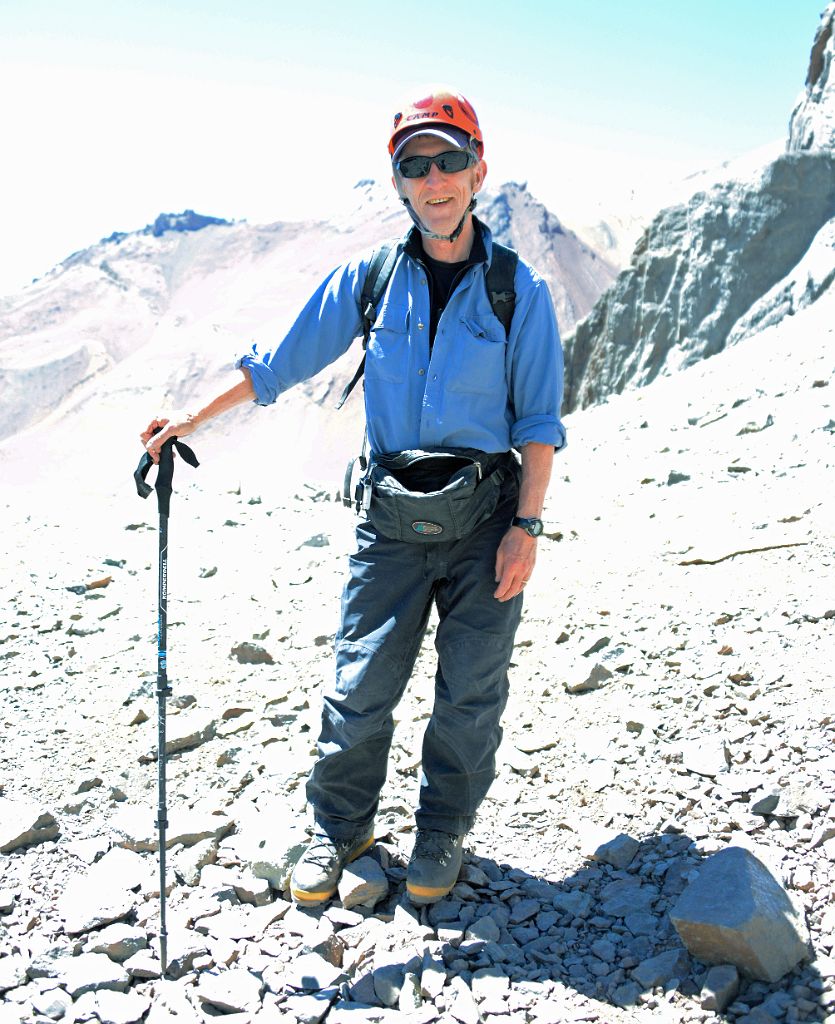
(385, 608)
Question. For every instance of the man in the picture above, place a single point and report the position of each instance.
(441, 375)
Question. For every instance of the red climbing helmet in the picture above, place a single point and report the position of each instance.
(440, 108)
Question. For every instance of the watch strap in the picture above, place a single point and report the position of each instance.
(532, 525)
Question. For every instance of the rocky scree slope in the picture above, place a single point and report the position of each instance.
(707, 271)
(671, 692)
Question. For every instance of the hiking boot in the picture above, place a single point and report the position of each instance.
(434, 866)
(316, 875)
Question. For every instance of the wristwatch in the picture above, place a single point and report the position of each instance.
(533, 527)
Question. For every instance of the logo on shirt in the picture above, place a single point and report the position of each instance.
(426, 529)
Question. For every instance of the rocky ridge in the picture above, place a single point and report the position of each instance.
(523, 223)
(704, 273)
(812, 124)
(707, 270)
(188, 220)
(672, 701)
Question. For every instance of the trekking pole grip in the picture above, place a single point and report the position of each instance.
(165, 472)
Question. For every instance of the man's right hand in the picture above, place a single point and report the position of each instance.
(175, 424)
(181, 424)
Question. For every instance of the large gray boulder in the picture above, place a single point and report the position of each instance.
(736, 912)
(812, 124)
(698, 269)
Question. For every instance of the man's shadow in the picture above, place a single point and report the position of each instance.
(604, 932)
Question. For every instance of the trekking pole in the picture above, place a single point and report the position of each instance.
(165, 476)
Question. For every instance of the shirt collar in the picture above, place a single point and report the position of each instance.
(413, 246)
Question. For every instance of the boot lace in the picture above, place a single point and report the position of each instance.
(433, 845)
(323, 851)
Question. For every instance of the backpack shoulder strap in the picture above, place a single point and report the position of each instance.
(376, 281)
(500, 287)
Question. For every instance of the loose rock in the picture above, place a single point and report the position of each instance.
(249, 653)
(658, 970)
(720, 987)
(737, 912)
(23, 823)
(112, 1007)
(232, 991)
(363, 883)
(619, 851)
(93, 972)
(598, 676)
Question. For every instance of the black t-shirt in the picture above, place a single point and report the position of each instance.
(444, 277)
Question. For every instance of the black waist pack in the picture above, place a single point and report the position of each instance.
(433, 496)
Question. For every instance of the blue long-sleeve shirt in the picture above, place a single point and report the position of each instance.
(477, 388)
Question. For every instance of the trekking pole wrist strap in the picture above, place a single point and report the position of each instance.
(165, 473)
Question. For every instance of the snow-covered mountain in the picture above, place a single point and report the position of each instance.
(205, 288)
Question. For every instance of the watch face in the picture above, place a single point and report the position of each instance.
(533, 527)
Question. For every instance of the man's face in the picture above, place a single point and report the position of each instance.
(439, 199)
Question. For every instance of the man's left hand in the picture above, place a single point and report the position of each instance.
(514, 563)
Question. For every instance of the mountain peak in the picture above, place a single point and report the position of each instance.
(514, 187)
(812, 123)
(188, 220)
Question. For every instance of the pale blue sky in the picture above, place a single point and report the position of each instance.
(115, 110)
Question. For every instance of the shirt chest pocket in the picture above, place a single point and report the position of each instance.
(478, 356)
(387, 352)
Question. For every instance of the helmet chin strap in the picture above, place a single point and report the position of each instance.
(433, 234)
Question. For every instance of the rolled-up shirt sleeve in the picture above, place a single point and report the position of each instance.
(536, 368)
(322, 332)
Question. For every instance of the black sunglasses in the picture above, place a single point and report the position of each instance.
(447, 163)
